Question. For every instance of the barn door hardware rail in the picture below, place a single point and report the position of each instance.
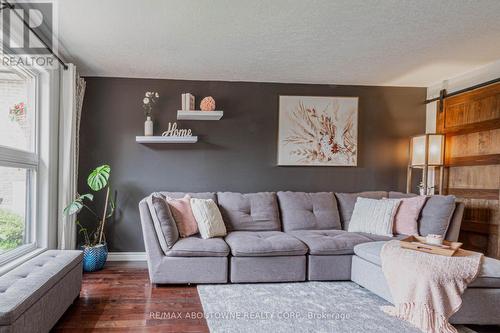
(5, 4)
(443, 94)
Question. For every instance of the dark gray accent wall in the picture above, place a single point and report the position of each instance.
(237, 153)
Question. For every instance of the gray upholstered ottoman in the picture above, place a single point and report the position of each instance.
(36, 294)
(480, 300)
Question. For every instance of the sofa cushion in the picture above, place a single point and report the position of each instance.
(370, 252)
(21, 287)
(163, 221)
(329, 242)
(264, 244)
(488, 277)
(378, 238)
(401, 195)
(346, 202)
(308, 211)
(436, 215)
(197, 195)
(195, 246)
(250, 211)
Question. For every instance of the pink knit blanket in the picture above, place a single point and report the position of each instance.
(426, 288)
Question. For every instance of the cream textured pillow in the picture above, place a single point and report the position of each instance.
(208, 218)
(374, 216)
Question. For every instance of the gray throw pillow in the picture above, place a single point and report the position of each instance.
(346, 202)
(164, 223)
(436, 215)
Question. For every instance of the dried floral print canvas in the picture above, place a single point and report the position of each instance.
(318, 131)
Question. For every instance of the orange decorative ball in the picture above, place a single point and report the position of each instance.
(207, 104)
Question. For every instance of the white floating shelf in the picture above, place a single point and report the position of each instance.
(199, 115)
(166, 139)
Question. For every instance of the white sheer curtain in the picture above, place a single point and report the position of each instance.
(72, 93)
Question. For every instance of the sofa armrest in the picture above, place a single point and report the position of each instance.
(152, 245)
(455, 223)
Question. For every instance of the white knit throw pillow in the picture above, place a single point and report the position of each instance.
(208, 218)
(374, 216)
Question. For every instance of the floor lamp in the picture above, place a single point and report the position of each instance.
(426, 151)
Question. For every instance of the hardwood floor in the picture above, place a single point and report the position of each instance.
(120, 299)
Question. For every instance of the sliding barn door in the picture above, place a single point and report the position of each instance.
(471, 123)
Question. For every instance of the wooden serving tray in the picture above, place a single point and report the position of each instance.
(418, 243)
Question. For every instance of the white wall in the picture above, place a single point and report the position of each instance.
(480, 75)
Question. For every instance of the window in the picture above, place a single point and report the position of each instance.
(16, 115)
(18, 162)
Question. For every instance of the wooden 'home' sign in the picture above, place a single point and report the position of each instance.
(174, 131)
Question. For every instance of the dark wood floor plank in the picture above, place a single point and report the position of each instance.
(120, 299)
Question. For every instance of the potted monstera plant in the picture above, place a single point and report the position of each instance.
(95, 251)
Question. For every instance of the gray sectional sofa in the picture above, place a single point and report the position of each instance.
(272, 237)
(295, 236)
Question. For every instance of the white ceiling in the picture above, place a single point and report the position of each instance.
(377, 42)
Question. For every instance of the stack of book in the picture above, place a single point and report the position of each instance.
(187, 102)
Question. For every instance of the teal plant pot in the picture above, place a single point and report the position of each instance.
(94, 257)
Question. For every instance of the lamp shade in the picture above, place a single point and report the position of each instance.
(427, 150)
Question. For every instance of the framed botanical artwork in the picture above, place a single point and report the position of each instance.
(318, 131)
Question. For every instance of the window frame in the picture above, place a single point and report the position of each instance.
(29, 161)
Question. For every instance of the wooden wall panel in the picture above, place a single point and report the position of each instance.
(469, 112)
(493, 247)
(480, 227)
(488, 159)
(475, 193)
(473, 107)
(471, 123)
(473, 144)
(478, 176)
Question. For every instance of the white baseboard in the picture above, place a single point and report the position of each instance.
(127, 256)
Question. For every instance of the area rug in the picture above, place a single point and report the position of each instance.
(298, 307)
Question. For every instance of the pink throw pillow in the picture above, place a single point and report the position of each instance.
(406, 219)
(183, 215)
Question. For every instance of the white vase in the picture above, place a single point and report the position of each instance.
(148, 127)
